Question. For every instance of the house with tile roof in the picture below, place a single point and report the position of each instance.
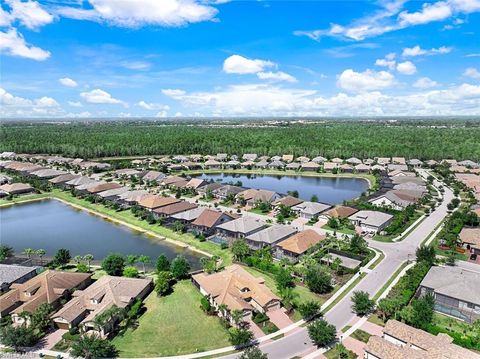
(49, 287)
(240, 228)
(152, 201)
(107, 292)
(16, 189)
(401, 341)
(237, 289)
(208, 220)
(14, 274)
(371, 221)
(295, 246)
(309, 210)
(470, 238)
(269, 236)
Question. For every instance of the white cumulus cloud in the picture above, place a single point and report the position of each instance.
(418, 51)
(137, 13)
(12, 43)
(368, 80)
(29, 13)
(406, 68)
(152, 106)
(98, 96)
(237, 64)
(472, 72)
(424, 83)
(66, 81)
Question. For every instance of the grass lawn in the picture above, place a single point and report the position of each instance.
(444, 253)
(390, 237)
(173, 325)
(24, 198)
(375, 319)
(343, 230)
(127, 217)
(361, 335)
(304, 294)
(258, 211)
(453, 324)
(377, 262)
(334, 353)
(392, 278)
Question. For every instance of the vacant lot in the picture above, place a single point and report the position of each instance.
(173, 325)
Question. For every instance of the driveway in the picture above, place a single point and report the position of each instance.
(255, 329)
(279, 318)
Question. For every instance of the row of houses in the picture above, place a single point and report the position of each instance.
(85, 300)
(55, 160)
(400, 189)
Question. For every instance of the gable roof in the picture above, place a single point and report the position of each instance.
(103, 187)
(272, 234)
(208, 218)
(341, 211)
(63, 178)
(12, 273)
(311, 208)
(177, 207)
(47, 287)
(288, 201)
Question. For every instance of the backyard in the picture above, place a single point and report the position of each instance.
(173, 325)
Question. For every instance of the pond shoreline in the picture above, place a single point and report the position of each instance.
(114, 220)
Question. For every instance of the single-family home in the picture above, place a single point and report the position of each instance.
(130, 198)
(47, 173)
(346, 168)
(101, 187)
(16, 189)
(112, 194)
(263, 195)
(107, 292)
(319, 159)
(295, 246)
(222, 157)
(78, 181)
(363, 168)
(126, 173)
(287, 158)
(177, 207)
(310, 210)
(415, 163)
(208, 220)
(187, 217)
(310, 166)
(208, 188)
(212, 165)
(302, 159)
(336, 160)
(293, 166)
(455, 290)
(152, 201)
(249, 157)
(232, 164)
(353, 161)
(383, 161)
(261, 164)
(287, 201)
(247, 164)
(14, 274)
(277, 164)
(5, 179)
(371, 221)
(469, 164)
(330, 166)
(180, 158)
(61, 180)
(195, 183)
(47, 287)
(269, 236)
(227, 191)
(431, 163)
(393, 167)
(246, 195)
(240, 228)
(395, 199)
(470, 238)
(339, 212)
(238, 290)
(153, 176)
(399, 160)
(401, 341)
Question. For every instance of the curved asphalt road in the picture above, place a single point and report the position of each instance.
(299, 344)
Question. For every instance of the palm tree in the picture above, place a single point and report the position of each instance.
(223, 310)
(78, 259)
(237, 316)
(29, 252)
(40, 253)
(328, 258)
(288, 298)
(88, 258)
(131, 259)
(144, 260)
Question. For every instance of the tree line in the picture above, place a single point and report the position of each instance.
(330, 139)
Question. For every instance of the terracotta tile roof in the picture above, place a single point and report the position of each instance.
(234, 286)
(195, 183)
(247, 194)
(171, 180)
(300, 242)
(175, 208)
(47, 287)
(471, 236)
(208, 218)
(153, 201)
(341, 211)
(63, 178)
(102, 295)
(15, 187)
(288, 201)
(103, 187)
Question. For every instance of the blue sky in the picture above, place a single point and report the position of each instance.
(166, 58)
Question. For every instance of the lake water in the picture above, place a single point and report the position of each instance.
(333, 190)
(51, 225)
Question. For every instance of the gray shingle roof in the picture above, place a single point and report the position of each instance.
(272, 234)
(11, 273)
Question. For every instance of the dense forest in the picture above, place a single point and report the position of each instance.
(460, 140)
